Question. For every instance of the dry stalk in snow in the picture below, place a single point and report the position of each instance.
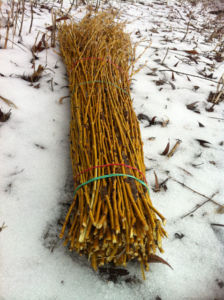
(219, 96)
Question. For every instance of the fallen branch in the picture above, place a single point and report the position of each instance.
(216, 118)
(172, 151)
(198, 193)
(215, 224)
(183, 73)
(210, 199)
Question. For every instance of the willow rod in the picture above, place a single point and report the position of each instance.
(111, 219)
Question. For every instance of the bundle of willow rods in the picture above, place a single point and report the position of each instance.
(111, 218)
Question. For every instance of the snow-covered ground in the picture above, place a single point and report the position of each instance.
(180, 69)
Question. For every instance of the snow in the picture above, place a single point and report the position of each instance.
(36, 180)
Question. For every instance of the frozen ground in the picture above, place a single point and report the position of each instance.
(181, 68)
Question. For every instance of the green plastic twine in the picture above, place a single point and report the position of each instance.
(108, 176)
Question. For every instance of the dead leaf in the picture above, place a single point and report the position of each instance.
(165, 123)
(40, 146)
(218, 57)
(210, 76)
(200, 124)
(176, 64)
(188, 78)
(166, 150)
(157, 259)
(4, 116)
(210, 109)
(38, 47)
(151, 74)
(58, 20)
(44, 7)
(37, 86)
(216, 12)
(114, 271)
(153, 120)
(35, 76)
(193, 52)
(220, 210)
(214, 96)
(8, 102)
(196, 87)
(203, 73)
(156, 189)
(62, 98)
(172, 85)
(194, 59)
(41, 45)
(3, 226)
(179, 235)
(160, 82)
(144, 117)
(203, 143)
(193, 106)
(154, 30)
(163, 184)
(133, 280)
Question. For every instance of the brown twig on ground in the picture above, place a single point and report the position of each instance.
(209, 199)
(216, 118)
(187, 74)
(185, 171)
(198, 205)
(172, 151)
(215, 224)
